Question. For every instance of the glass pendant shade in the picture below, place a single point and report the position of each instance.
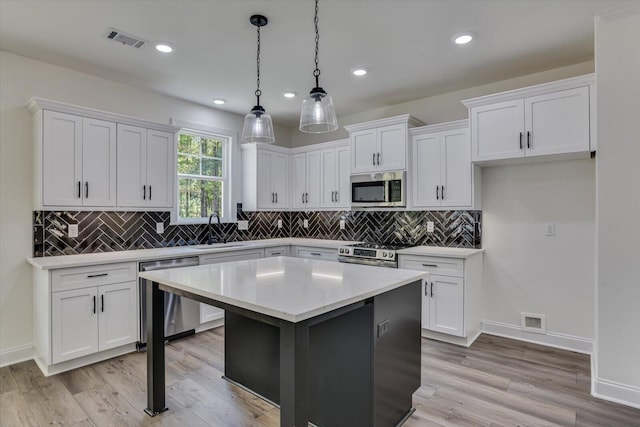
(258, 127)
(317, 114)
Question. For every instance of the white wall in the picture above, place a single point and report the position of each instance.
(526, 271)
(20, 79)
(618, 206)
(440, 108)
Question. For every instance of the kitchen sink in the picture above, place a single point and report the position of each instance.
(214, 246)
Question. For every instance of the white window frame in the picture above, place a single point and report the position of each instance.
(229, 171)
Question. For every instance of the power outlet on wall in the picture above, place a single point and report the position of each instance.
(343, 224)
(279, 223)
(243, 225)
(73, 230)
(429, 226)
(305, 223)
(159, 227)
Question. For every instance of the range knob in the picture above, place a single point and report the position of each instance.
(384, 254)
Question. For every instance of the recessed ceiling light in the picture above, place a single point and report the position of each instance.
(290, 94)
(462, 38)
(164, 47)
(219, 101)
(359, 71)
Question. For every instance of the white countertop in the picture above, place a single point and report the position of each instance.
(66, 261)
(440, 251)
(293, 289)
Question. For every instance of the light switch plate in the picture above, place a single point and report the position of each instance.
(305, 223)
(159, 227)
(550, 229)
(343, 224)
(429, 226)
(73, 230)
(243, 225)
(279, 223)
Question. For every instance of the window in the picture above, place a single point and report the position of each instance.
(202, 175)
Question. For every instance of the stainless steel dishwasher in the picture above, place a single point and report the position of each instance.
(181, 315)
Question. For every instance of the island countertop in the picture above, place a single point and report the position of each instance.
(292, 289)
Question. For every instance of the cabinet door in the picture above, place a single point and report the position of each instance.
(131, 165)
(456, 168)
(497, 131)
(280, 179)
(363, 151)
(266, 196)
(392, 146)
(117, 320)
(62, 159)
(343, 195)
(208, 312)
(299, 174)
(159, 164)
(447, 305)
(313, 180)
(98, 162)
(329, 176)
(74, 328)
(557, 122)
(426, 169)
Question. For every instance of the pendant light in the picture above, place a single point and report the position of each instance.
(257, 124)
(317, 114)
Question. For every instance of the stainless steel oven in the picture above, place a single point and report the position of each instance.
(384, 189)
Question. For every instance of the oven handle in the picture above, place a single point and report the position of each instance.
(366, 261)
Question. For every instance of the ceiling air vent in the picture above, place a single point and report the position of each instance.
(125, 39)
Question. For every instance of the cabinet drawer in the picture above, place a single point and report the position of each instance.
(315, 253)
(96, 275)
(276, 251)
(434, 265)
(234, 256)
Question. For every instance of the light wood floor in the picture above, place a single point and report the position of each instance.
(496, 382)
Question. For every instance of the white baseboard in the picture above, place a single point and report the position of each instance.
(14, 355)
(551, 339)
(617, 392)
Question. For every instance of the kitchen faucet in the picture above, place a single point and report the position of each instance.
(209, 238)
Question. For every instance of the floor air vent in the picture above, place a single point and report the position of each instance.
(125, 39)
(530, 322)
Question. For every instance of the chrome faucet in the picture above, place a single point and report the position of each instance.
(209, 238)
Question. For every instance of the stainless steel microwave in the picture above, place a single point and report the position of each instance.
(384, 189)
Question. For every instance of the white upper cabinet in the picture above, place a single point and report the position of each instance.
(265, 180)
(79, 161)
(335, 177)
(306, 180)
(145, 167)
(441, 169)
(380, 145)
(552, 119)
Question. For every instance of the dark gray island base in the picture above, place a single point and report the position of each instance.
(357, 365)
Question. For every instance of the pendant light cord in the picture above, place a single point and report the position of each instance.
(316, 72)
(258, 91)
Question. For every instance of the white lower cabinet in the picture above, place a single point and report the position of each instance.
(209, 313)
(452, 295)
(315, 253)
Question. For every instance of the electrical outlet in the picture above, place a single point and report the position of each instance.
(383, 327)
(279, 223)
(73, 230)
(550, 229)
(343, 224)
(243, 225)
(305, 223)
(159, 227)
(429, 226)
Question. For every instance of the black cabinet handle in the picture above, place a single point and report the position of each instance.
(521, 140)
(276, 197)
(430, 265)
(276, 253)
(337, 197)
(94, 304)
(102, 303)
(86, 189)
(316, 254)
(302, 197)
(373, 160)
(442, 192)
(306, 197)
(149, 192)
(437, 194)
(426, 289)
(528, 140)
(79, 185)
(378, 159)
(431, 289)
(144, 192)
(91, 276)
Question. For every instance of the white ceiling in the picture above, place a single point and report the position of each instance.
(406, 44)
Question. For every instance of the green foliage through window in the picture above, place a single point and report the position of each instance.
(200, 175)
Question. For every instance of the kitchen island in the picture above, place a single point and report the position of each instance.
(331, 343)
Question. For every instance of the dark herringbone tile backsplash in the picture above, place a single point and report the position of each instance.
(117, 231)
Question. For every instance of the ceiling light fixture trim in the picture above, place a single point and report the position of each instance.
(164, 47)
(258, 126)
(290, 94)
(219, 101)
(463, 38)
(317, 114)
(359, 71)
